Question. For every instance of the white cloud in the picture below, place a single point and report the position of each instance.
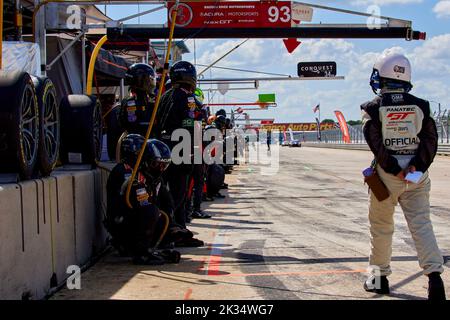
(431, 74)
(432, 58)
(213, 50)
(442, 9)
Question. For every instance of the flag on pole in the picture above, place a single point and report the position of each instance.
(317, 108)
(319, 134)
(239, 110)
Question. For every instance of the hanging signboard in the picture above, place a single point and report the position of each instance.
(300, 13)
(242, 14)
(267, 97)
(223, 87)
(317, 69)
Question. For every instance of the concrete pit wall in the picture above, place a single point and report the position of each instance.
(47, 225)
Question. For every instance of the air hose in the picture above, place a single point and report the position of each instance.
(166, 226)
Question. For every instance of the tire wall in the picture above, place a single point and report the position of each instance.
(47, 225)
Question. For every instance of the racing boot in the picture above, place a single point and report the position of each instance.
(207, 198)
(436, 289)
(190, 243)
(371, 285)
(179, 233)
(121, 249)
(199, 214)
(150, 259)
(189, 214)
(219, 195)
(170, 256)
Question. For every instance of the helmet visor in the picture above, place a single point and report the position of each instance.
(160, 166)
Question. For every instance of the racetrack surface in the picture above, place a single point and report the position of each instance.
(299, 234)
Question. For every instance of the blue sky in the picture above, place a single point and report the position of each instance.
(430, 59)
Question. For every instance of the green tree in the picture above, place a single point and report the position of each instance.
(354, 122)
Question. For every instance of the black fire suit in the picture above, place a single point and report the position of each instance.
(135, 114)
(176, 111)
(132, 229)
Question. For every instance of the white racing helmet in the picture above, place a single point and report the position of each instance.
(392, 71)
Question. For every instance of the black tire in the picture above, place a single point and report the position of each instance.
(81, 129)
(49, 129)
(19, 124)
(113, 132)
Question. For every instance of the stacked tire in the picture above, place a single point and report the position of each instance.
(49, 125)
(81, 130)
(36, 131)
(28, 109)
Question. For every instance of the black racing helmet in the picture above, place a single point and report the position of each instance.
(183, 72)
(141, 77)
(221, 112)
(157, 158)
(130, 147)
(220, 122)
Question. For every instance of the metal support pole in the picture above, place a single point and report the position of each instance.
(40, 38)
(122, 89)
(1, 33)
(83, 62)
(441, 124)
(448, 127)
(222, 57)
(19, 20)
(75, 40)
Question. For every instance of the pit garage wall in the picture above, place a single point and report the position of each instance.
(47, 225)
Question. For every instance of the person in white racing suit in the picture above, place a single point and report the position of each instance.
(402, 135)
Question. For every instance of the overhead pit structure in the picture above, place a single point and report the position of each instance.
(391, 28)
(305, 32)
(119, 32)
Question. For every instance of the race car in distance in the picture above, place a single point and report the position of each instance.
(294, 144)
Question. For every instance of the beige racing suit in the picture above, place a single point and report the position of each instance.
(400, 131)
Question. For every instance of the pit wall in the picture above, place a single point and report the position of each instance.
(47, 225)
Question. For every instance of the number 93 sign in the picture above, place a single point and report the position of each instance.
(242, 14)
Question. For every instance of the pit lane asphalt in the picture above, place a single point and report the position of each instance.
(299, 234)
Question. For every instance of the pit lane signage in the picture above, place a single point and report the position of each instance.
(242, 14)
(317, 69)
(298, 126)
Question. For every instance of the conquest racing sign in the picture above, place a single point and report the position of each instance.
(240, 14)
(317, 69)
